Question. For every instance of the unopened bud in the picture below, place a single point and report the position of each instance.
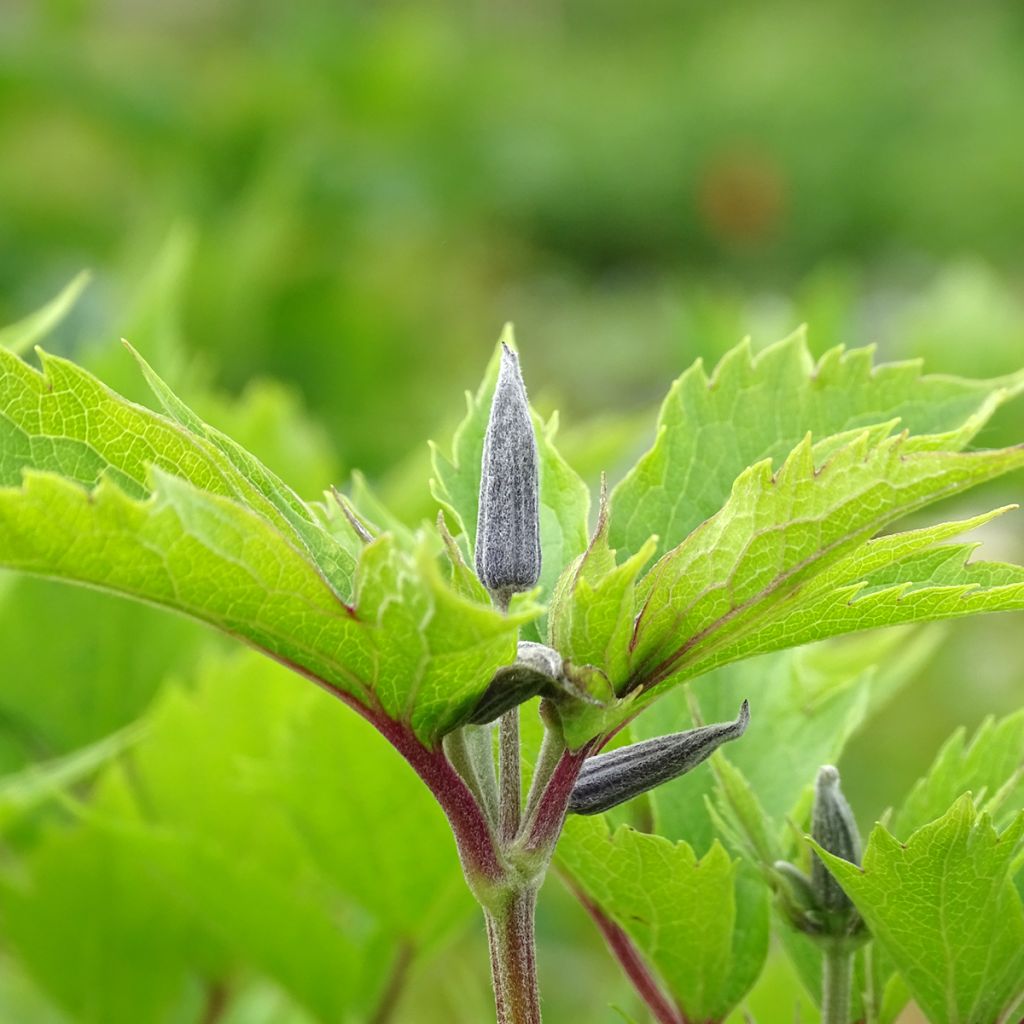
(535, 671)
(508, 527)
(613, 778)
(834, 829)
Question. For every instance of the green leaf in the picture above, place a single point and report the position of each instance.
(946, 910)
(593, 608)
(65, 421)
(701, 924)
(20, 337)
(759, 407)
(209, 557)
(746, 567)
(989, 767)
(334, 560)
(922, 587)
(778, 531)
(564, 497)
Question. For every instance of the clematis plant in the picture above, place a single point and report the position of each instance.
(759, 520)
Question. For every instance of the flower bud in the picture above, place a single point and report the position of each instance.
(834, 830)
(613, 778)
(508, 527)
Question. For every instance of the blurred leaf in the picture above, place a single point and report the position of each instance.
(23, 791)
(702, 924)
(20, 337)
(96, 893)
(338, 779)
(944, 906)
(67, 676)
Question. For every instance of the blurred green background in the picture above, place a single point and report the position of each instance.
(314, 218)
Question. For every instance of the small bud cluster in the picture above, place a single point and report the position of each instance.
(818, 905)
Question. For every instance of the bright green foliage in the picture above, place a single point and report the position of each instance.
(758, 407)
(990, 767)
(209, 542)
(216, 849)
(778, 531)
(945, 908)
(564, 497)
(592, 613)
(65, 421)
(747, 581)
(702, 924)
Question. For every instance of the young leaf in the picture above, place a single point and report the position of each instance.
(593, 606)
(757, 407)
(989, 767)
(924, 587)
(945, 908)
(701, 924)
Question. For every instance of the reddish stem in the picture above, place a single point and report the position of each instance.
(632, 962)
(551, 810)
(472, 833)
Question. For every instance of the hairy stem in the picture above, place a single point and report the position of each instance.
(510, 783)
(510, 932)
(551, 749)
(547, 820)
(836, 983)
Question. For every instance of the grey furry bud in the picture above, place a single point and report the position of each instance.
(834, 829)
(508, 527)
(536, 670)
(613, 778)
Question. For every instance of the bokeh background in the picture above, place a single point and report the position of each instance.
(314, 218)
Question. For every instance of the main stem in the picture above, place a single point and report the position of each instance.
(513, 959)
(836, 983)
